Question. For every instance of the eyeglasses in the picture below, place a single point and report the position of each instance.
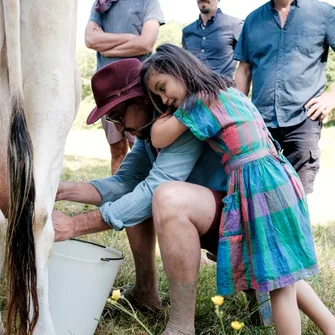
(119, 121)
(115, 121)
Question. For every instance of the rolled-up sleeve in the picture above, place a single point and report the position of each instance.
(174, 162)
(134, 169)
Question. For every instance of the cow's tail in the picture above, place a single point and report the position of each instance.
(20, 247)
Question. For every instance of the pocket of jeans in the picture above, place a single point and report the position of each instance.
(231, 223)
(315, 154)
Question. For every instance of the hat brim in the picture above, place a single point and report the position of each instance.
(98, 112)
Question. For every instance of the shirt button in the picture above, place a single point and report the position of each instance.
(202, 50)
(204, 38)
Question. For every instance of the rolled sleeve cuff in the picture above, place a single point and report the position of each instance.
(160, 21)
(107, 215)
(96, 184)
(241, 58)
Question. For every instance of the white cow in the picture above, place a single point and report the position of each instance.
(39, 96)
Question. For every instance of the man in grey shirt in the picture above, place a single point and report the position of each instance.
(212, 38)
(122, 29)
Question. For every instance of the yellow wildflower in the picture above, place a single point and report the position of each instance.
(116, 295)
(237, 325)
(218, 300)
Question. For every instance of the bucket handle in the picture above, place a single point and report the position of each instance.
(106, 259)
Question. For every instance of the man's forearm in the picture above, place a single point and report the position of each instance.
(139, 45)
(107, 41)
(243, 80)
(84, 193)
(66, 227)
(88, 223)
(135, 47)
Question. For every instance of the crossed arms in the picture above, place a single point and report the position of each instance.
(121, 45)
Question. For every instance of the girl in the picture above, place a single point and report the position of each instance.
(265, 236)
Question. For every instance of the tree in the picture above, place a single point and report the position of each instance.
(86, 59)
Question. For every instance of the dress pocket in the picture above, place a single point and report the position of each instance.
(231, 260)
(231, 223)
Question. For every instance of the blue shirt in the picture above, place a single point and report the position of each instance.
(127, 196)
(214, 44)
(126, 16)
(288, 64)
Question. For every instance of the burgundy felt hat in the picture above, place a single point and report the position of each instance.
(113, 84)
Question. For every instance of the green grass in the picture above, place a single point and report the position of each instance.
(235, 307)
(113, 322)
(85, 108)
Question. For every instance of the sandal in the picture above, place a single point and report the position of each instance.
(127, 293)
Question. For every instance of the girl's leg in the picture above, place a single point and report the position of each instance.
(285, 311)
(313, 307)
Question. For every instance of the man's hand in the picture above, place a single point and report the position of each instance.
(321, 106)
(63, 225)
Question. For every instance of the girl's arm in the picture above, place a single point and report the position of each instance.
(165, 131)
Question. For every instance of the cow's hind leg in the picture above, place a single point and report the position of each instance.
(2, 255)
(44, 237)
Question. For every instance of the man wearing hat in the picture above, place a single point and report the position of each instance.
(184, 215)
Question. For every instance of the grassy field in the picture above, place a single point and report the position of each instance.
(78, 168)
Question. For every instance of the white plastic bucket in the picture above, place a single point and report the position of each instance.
(81, 276)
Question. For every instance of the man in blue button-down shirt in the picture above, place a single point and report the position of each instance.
(283, 49)
(212, 38)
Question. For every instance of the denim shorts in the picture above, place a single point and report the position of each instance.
(112, 135)
(210, 240)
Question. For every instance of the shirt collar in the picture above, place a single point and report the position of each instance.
(270, 4)
(213, 18)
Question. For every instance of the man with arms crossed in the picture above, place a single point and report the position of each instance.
(121, 29)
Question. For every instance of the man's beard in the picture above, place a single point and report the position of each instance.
(205, 10)
(144, 134)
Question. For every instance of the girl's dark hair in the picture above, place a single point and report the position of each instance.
(198, 79)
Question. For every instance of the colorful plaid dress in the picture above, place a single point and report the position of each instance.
(265, 238)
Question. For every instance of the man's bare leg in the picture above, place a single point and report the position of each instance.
(142, 240)
(118, 150)
(181, 213)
